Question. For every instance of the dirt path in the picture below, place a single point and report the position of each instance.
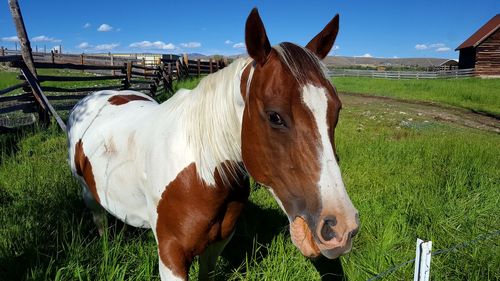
(459, 116)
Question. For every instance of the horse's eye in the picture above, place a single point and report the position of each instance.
(275, 119)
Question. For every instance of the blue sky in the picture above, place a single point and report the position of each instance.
(367, 28)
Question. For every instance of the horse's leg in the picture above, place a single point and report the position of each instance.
(208, 259)
(98, 212)
(172, 262)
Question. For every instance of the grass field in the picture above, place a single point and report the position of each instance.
(408, 176)
(477, 94)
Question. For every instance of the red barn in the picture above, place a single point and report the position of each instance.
(482, 50)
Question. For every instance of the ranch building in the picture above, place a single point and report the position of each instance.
(481, 51)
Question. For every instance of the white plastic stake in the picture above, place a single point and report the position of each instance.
(422, 260)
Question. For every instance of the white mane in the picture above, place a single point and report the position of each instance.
(214, 126)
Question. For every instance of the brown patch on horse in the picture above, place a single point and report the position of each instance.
(123, 99)
(193, 214)
(84, 169)
(293, 145)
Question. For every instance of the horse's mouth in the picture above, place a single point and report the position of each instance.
(304, 240)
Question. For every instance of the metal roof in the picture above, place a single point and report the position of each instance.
(484, 32)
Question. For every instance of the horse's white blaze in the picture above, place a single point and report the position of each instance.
(332, 190)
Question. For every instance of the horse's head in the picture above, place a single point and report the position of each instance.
(291, 110)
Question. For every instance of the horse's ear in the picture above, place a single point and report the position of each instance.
(258, 46)
(322, 43)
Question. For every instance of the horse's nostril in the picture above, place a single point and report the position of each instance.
(327, 231)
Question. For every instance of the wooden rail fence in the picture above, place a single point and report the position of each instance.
(455, 73)
(17, 106)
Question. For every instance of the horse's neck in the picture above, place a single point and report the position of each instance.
(211, 116)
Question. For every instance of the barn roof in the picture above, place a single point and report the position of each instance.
(486, 30)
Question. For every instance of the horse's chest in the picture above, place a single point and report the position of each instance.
(196, 214)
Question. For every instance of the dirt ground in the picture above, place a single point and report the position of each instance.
(455, 115)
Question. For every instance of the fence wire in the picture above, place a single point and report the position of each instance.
(454, 248)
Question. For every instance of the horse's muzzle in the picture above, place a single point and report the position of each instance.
(331, 238)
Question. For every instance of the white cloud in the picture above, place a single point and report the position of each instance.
(43, 38)
(443, 49)
(106, 47)
(191, 45)
(118, 29)
(421, 47)
(240, 45)
(105, 27)
(438, 47)
(229, 42)
(87, 25)
(84, 46)
(334, 48)
(10, 39)
(157, 45)
(367, 55)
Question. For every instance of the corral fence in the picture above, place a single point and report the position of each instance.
(454, 73)
(18, 104)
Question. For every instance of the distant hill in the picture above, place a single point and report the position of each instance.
(341, 61)
(195, 56)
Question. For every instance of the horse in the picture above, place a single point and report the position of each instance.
(181, 168)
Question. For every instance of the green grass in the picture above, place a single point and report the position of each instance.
(408, 176)
(8, 79)
(472, 93)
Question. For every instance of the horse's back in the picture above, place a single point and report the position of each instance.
(102, 139)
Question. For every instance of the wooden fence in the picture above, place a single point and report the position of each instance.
(103, 72)
(455, 73)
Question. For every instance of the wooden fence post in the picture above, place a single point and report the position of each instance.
(177, 66)
(128, 77)
(199, 66)
(22, 36)
(24, 42)
(2, 53)
(186, 60)
(52, 57)
(111, 60)
(210, 63)
(144, 64)
(81, 61)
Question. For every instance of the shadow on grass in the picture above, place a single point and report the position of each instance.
(260, 226)
(9, 139)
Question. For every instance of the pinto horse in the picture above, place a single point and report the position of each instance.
(181, 167)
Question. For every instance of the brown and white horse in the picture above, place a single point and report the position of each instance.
(180, 167)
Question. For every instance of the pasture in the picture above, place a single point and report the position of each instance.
(409, 175)
(479, 95)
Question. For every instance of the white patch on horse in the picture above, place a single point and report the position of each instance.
(330, 184)
(167, 274)
(279, 202)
